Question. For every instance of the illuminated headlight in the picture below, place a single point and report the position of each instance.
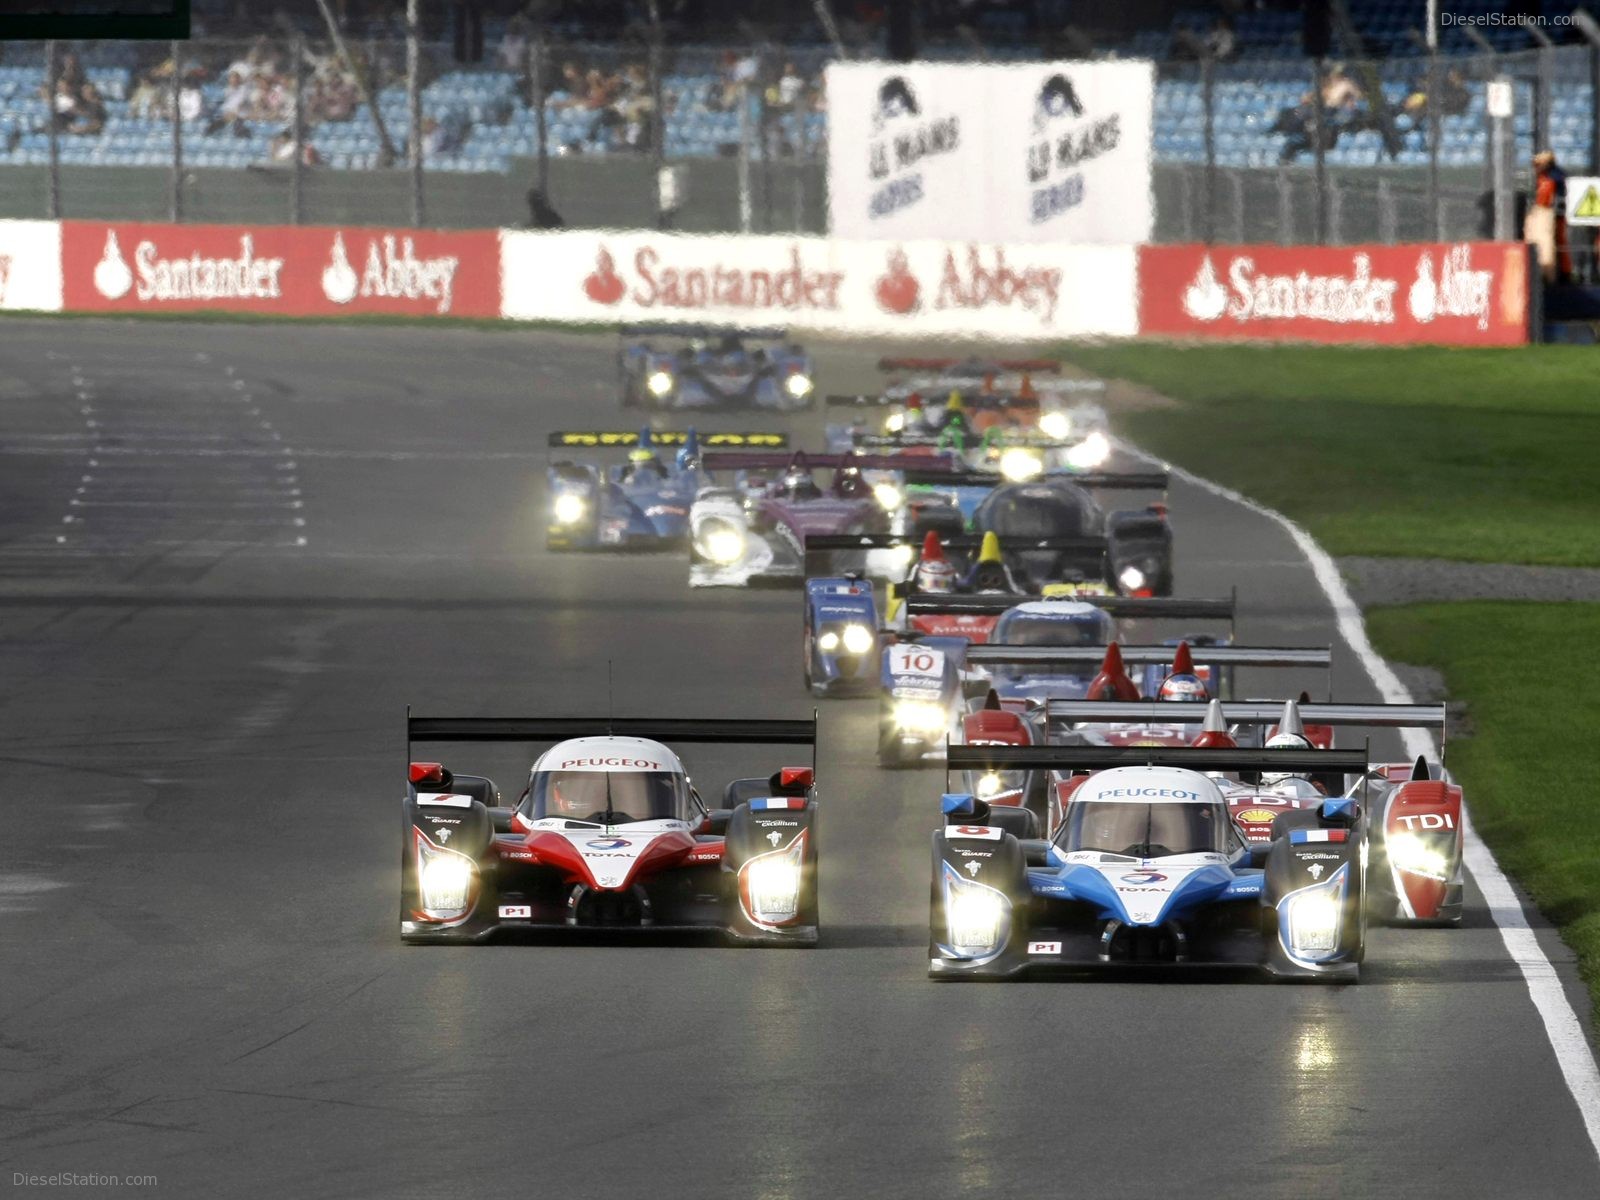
(1131, 578)
(569, 508)
(919, 716)
(991, 783)
(1018, 465)
(797, 385)
(888, 496)
(1056, 425)
(444, 880)
(721, 542)
(769, 884)
(858, 639)
(894, 422)
(1091, 452)
(659, 383)
(1413, 855)
(976, 917)
(828, 643)
(1310, 919)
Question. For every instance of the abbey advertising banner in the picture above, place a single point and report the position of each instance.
(1020, 152)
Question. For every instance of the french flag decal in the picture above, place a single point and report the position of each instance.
(1298, 837)
(777, 802)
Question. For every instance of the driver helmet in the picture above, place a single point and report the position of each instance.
(989, 573)
(1284, 741)
(1182, 687)
(934, 574)
(853, 485)
(644, 460)
(798, 485)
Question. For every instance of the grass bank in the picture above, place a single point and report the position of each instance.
(1478, 455)
(1529, 769)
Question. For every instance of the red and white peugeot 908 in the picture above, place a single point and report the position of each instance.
(610, 834)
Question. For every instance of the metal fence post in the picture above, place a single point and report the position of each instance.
(1285, 208)
(296, 168)
(1335, 215)
(1208, 99)
(1386, 213)
(414, 109)
(744, 157)
(1434, 134)
(175, 207)
(52, 72)
(1320, 161)
(658, 115)
(536, 100)
(1236, 181)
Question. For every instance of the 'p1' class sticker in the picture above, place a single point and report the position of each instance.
(512, 912)
(1044, 947)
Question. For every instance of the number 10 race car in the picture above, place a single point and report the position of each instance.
(609, 834)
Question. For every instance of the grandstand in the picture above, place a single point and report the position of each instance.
(478, 118)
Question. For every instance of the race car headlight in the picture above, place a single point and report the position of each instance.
(977, 917)
(769, 884)
(568, 508)
(1055, 424)
(990, 784)
(1311, 918)
(798, 385)
(1413, 855)
(1131, 578)
(858, 639)
(888, 496)
(894, 422)
(1092, 452)
(919, 716)
(444, 880)
(659, 382)
(828, 643)
(1020, 465)
(721, 542)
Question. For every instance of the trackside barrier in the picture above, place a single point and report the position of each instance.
(1470, 293)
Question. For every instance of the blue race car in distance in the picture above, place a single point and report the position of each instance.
(642, 503)
(1147, 869)
(715, 368)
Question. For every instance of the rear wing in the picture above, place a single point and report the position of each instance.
(670, 730)
(1100, 758)
(692, 330)
(976, 366)
(1219, 609)
(756, 461)
(1216, 656)
(1153, 481)
(663, 437)
(959, 541)
(1247, 712)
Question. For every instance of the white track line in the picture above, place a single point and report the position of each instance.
(1561, 1024)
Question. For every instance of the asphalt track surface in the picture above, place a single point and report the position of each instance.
(200, 973)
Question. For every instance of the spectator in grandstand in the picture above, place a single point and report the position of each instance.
(281, 149)
(150, 96)
(512, 53)
(1221, 42)
(191, 100)
(1299, 125)
(786, 94)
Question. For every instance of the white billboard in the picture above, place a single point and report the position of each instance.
(915, 288)
(1020, 152)
(30, 265)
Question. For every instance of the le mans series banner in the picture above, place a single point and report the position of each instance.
(1020, 152)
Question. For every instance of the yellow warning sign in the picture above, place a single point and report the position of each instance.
(1583, 205)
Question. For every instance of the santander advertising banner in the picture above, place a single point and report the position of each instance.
(1467, 293)
(913, 288)
(294, 271)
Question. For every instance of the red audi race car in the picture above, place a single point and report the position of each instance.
(610, 834)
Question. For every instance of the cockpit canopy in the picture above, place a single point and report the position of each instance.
(609, 797)
(1147, 829)
(1034, 511)
(1022, 627)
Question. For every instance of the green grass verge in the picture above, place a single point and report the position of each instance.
(1529, 770)
(1479, 455)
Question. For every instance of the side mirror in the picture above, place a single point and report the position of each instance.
(716, 822)
(500, 819)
